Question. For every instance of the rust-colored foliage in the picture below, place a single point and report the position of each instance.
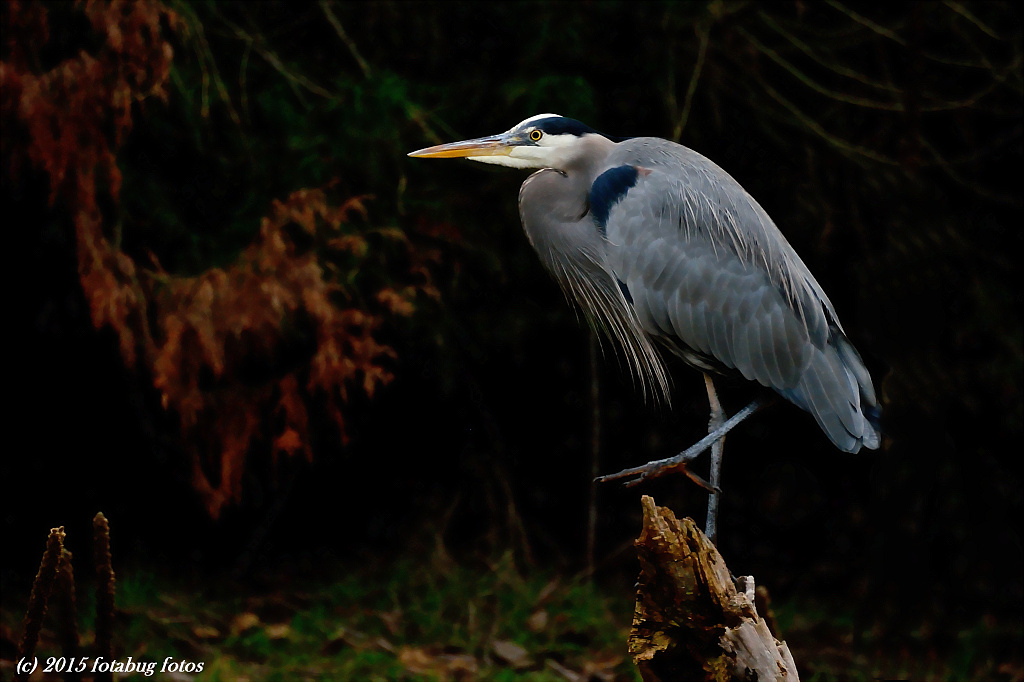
(213, 323)
(74, 117)
(205, 329)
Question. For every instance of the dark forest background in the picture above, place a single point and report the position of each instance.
(250, 330)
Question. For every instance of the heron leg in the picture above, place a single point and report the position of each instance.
(664, 466)
(716, 421)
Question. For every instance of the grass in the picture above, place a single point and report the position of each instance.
(409, 621)
(438, 620)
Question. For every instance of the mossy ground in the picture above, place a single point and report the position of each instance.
(436, 619)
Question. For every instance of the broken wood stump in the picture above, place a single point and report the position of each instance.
(690, 621)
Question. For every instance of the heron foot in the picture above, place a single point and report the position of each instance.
(661, 467)
(678, 462)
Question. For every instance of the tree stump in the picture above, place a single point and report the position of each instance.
(691, 622)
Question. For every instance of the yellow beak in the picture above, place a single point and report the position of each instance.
(493, 145)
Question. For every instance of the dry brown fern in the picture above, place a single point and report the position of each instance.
(195, 336)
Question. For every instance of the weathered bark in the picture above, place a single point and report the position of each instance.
(41, 589)
(105, 588)
(691, 622)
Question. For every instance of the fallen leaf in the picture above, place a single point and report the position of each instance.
(460, 666)
(417, 660)
(392, 620)
(568, 674)
(538, 621)
(547, 591)
(278, 631)
(243, 622)
(421, 661)
(384, 644)
(205, 632)
(601, 667)
(513, 654)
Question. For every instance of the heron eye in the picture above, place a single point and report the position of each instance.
(535, 135)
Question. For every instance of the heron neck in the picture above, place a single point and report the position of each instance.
(591, 160)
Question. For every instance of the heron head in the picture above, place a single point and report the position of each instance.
(542, 141)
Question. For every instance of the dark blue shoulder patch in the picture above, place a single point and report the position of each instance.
(608, 190)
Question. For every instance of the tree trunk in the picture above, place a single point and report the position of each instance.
(691, 622)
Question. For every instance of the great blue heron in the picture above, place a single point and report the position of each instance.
(656, 243)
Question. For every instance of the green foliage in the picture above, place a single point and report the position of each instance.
(389, 623)
(394, 621)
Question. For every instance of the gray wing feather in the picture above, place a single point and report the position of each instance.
(817, 393)
(574, 251)
(739, 341)
(772, 332)
(707, 267)
(851, 359)
(716, 323)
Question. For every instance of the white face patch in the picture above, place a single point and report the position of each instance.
(538, 117)
(506, 160)
(548, 151)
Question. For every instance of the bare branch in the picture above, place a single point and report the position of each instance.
(817, 128)
(207, 64)
(806, 80)
(295, 80)
(980, 190)
(831, 66)
(329, 13)
(966, 14)
(864, 21)
(703, 32)
(243, 79)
